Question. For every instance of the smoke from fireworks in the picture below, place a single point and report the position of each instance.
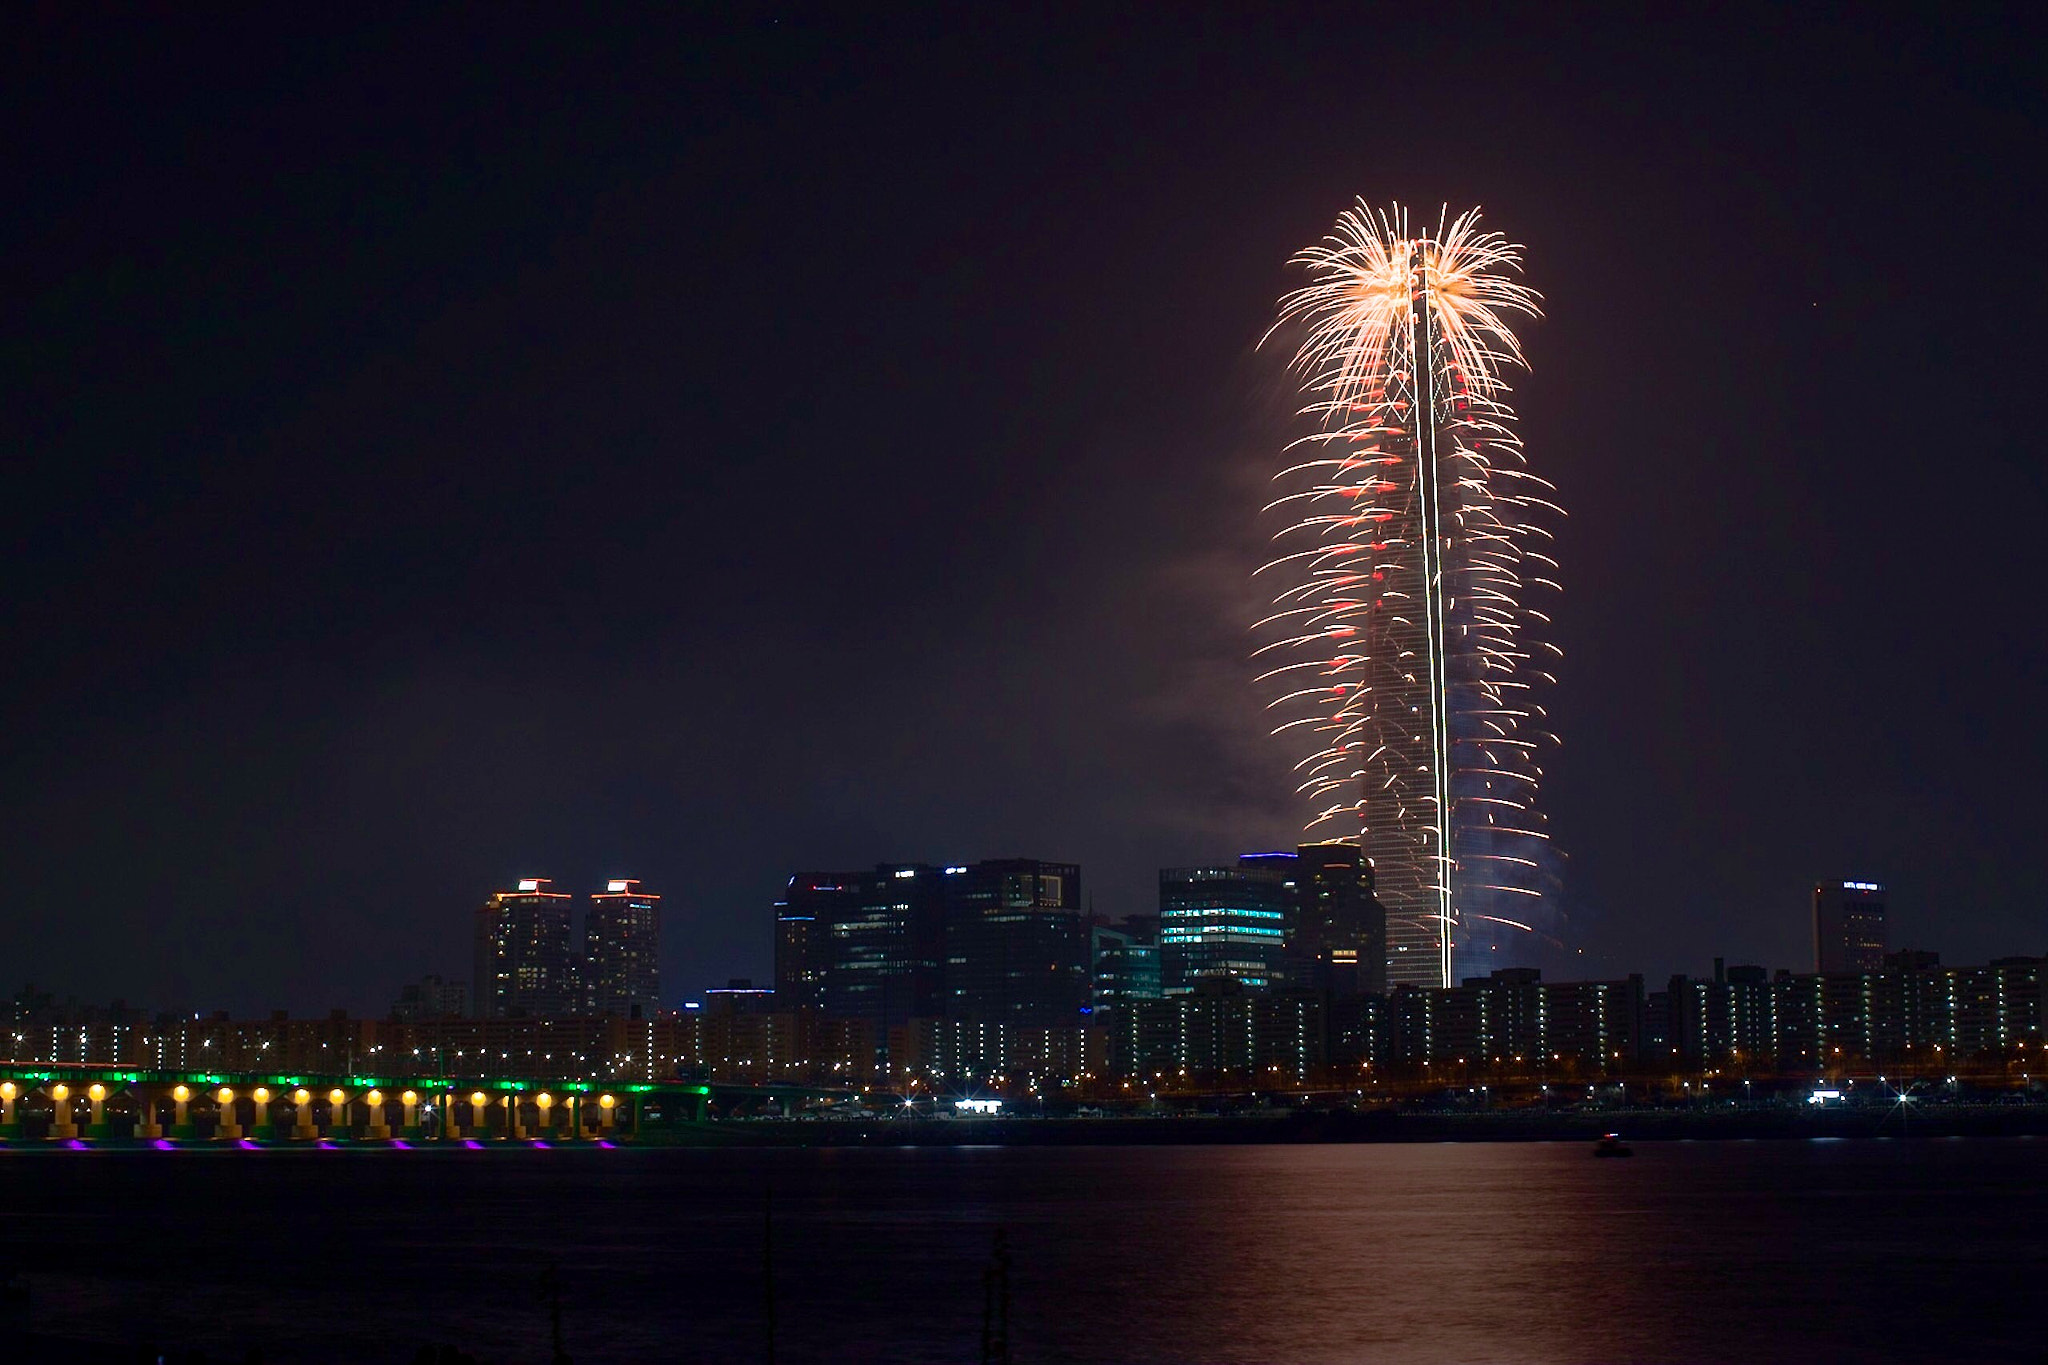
(1401, 638)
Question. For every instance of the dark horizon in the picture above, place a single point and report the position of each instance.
(451, 450)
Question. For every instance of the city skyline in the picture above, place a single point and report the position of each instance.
(421, 480)
(1271, 921)
(676, 675)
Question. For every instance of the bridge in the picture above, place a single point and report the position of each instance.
(82, 1104)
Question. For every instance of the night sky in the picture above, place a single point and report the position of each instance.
(441, 450)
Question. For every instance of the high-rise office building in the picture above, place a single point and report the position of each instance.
(999, 941)
(1339, 930)
(1403, 640)
(800, 941)
(1848, 927)
(1217, 922)
(1124, 962)
(879, 940)
(524, 964)
(1016, 949)
(622, 951)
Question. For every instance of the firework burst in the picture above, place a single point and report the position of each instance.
(1402, 644)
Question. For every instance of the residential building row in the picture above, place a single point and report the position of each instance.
(1915, 1015)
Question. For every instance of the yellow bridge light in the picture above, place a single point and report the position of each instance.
(410, 1097)
(226, 1096)
(181, 1093)
(375, 1097)
(60, 1091)
(97, 1091)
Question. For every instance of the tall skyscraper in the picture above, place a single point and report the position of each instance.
(876, 939)
(800, 942)
(1016, 949)
(1400, 638)
(1338, 933)
(1224, 922)
(524, 964)
(622, 951)
(1848, 927)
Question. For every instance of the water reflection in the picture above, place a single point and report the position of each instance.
(1396, 1253)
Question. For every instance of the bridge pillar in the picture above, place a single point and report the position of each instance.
(337, 1115)
(544, 1105)
(181, 1120)
(409, 1115)
(514, 1128)
(147, 1127)
(227, 1129)
(575, 1114)
(10, 1126)
(61, 1126)
(265, 1127)
(377, 1129)
(302, 1123)
(97, 1128)
(477, 1128)
(607, 1110)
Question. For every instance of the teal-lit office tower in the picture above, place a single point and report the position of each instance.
(1124, 962)
(1224, 922)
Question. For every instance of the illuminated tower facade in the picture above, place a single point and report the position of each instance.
(1016, 945)
(1402, 645)
(622, 951)
(525, 967)
(1849, 927)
